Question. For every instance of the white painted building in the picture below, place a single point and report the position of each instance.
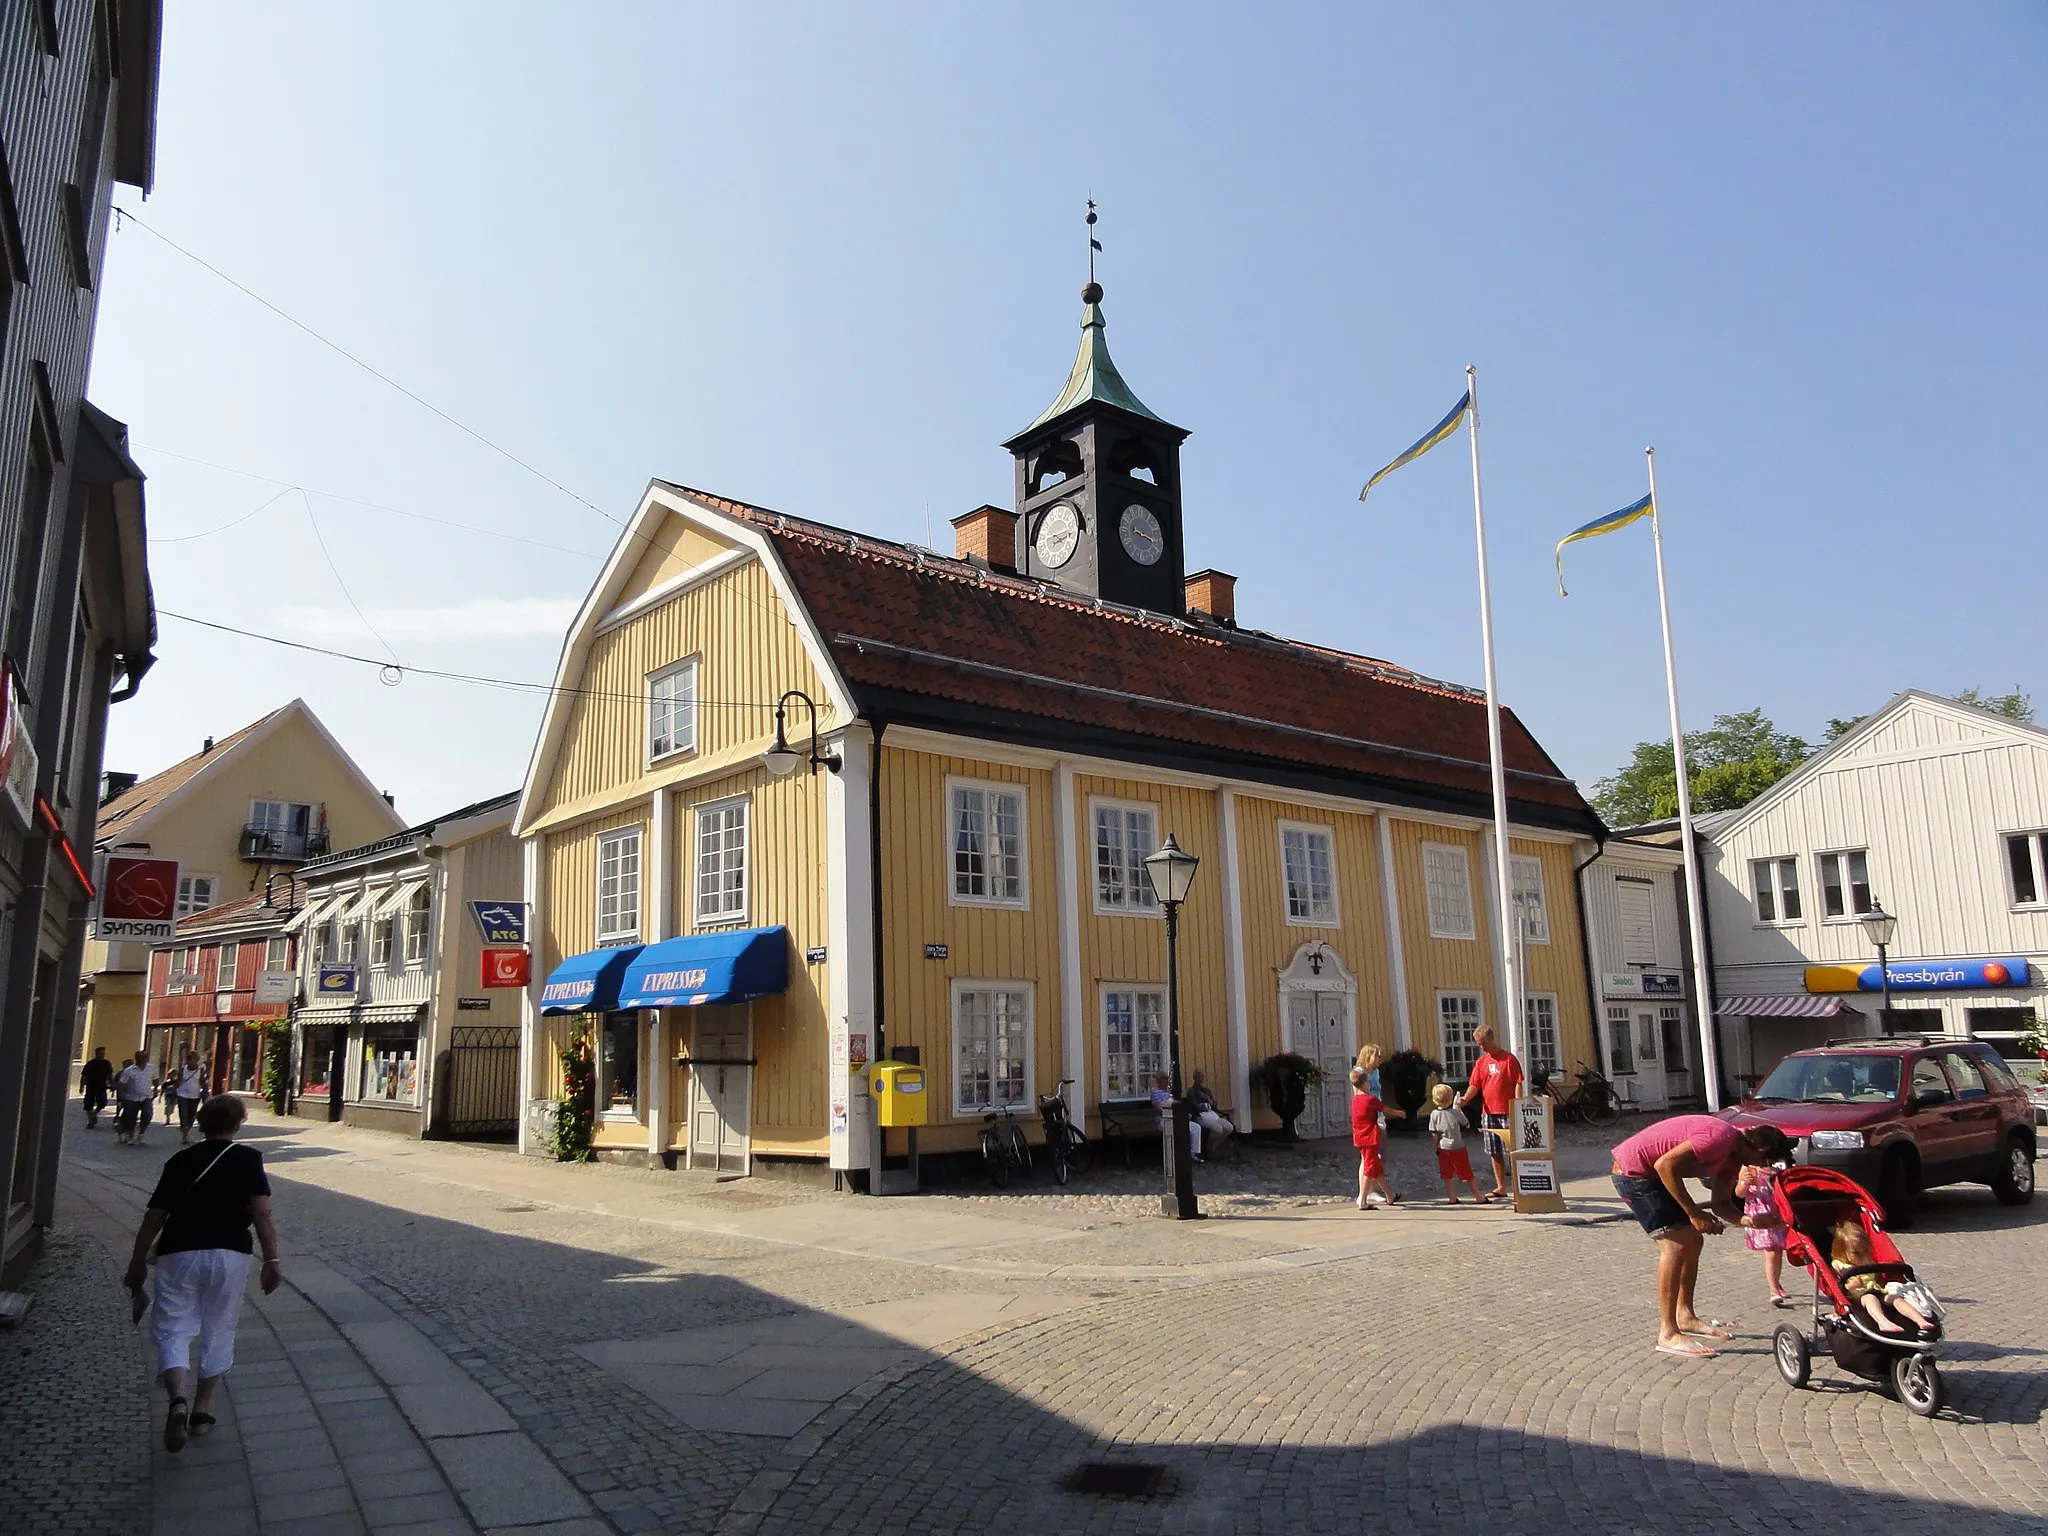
(1641, 966)
(1936, 810)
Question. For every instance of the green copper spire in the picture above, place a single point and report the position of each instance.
(1094, 377)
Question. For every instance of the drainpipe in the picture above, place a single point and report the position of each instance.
(1593, 993)
(881, 1052)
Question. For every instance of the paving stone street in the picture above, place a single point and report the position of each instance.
(471, 1341)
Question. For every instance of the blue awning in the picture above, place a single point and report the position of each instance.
(587, 983)
(731, 967)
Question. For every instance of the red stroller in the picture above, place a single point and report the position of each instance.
(1810, 1201)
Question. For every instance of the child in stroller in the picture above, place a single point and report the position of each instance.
(1861, 1283)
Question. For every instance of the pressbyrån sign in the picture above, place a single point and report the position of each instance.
(1922, 975)
(138, 899)
(500, 922)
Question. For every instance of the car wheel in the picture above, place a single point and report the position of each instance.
(2014, 1181)
(1898, 1189)
(1794, 1356)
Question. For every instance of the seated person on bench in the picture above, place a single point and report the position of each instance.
(1162, 1102)
(1202, 1110)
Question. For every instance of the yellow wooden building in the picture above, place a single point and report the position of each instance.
(1002, 737)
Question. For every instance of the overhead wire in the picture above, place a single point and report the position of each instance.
(328, 556)
(187, 538)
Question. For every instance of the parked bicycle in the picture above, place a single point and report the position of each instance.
(1064, 1143)
(1003, 1147)
(1593, 1102)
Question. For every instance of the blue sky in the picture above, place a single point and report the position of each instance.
(826, 259)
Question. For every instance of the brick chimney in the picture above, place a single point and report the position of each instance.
(987, 536)
(1213, 593)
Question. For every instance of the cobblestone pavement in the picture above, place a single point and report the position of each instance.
(1447, 1371)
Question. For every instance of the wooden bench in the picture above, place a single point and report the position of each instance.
(1126, 1120)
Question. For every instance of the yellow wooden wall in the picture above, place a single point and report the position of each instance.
(569, 917)
(1560, 965)
(1434, 965)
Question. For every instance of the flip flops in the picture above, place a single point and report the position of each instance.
(1710, 1328)
(176, 1422)
(1687, 1349)
(1783, 1303)
(201, 1422)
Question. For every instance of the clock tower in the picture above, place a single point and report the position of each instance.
(1098, 486)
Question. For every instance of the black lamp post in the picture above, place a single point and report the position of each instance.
(1171, 871)
(782, 759)
(1879, 926)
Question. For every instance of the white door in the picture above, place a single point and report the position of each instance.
(721, 1086)
(1649, 1047)
(1318, 1027)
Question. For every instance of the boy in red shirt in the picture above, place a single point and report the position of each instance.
(1365, 1135)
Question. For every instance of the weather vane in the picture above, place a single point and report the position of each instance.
(1094, 244)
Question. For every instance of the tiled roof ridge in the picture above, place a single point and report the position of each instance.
(144, 792)
(929, 562)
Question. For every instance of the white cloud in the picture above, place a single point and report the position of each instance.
(491, 618)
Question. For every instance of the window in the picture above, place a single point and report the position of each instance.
(1540, 1014)
(991, 1047)
(13, 254)
(1929, 1086)
(175, 970)
(1621, 1045)
(277, 954)
(32, 527)
(230, 963)
(618, 886)
(1638, 920)
(323, 944)
(672, 711)
(1527, 876)
(988, 844)
(1446, 877)
(390, 1069)
(1125, 836)
(416, 913)
(1776, 884)
(1133, 1041)
(2026, 856)
(1845, 884)
(351, 938)
(722, 862)
(1962, 1072)
(196, 893)
(1646, 1038)
(1458, 1016)
(316, 1060)
(620, 1062)
(1671, 1021)
(380, 942)
(1308, 870)
(283, 829)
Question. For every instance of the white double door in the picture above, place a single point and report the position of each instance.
(1319, 1028)
(721, 1089)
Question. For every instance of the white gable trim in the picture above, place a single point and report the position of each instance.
(661, 501)
(675, 586)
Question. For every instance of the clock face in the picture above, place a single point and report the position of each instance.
(1143, 541)
(1059, 535)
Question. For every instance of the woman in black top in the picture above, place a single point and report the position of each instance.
(207, 1199)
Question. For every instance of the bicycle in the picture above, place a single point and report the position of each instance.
(1003, 1147)
(1064, 1143)
(1593, 1102)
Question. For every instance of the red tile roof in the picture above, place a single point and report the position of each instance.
(125, 807)
(907, 626)
(245, 913)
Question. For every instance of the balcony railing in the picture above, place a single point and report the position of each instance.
(275, 845)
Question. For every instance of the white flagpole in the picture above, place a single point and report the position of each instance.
(1502, 888)
(1695, 891)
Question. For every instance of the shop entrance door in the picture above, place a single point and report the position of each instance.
(1318, 1028)
(721, 1089)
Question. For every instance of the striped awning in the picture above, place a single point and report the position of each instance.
(1798, 1007)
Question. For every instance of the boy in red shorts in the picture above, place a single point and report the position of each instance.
(1365, 1135)
(1447, 1123)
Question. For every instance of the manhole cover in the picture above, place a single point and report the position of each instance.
(1120, 1479)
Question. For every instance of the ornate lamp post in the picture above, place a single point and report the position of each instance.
(782, 759)
(1879, 926)
(1171, 871)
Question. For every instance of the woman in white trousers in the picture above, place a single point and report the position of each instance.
(199, 1218)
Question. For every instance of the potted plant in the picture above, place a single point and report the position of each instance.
(2032, 1039)
(1285, 1080)
(1407, 1075)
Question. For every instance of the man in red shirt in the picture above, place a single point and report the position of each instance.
(1496, 1082)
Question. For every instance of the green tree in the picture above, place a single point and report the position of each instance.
(2017, 705)
(1732, 761)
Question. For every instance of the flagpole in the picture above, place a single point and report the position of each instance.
(1695, 891)
(1502, 886)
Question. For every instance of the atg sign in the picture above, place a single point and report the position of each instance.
(1921, 975)
(138, 899)
(500, 922)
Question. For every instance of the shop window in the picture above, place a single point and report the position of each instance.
(1447, 880)
(988, 844)
(2026, 857)
(196, 893)
(1458, 1016)
(1308, 871)
(618, 886)
(1671, 1020)
(1621, 1045)
(316, 1050)
(390, 1069)
(672, 711)
(722, 862)
(620, 1065)
(1530, 911)
(991, 1047)
(1775, 884)
(1539, 1013)
(1125, 836)
(1133, 1041)
(1845, 884)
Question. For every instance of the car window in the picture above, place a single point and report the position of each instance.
(1846, 1079)
(1963, 1073)
(1929, 1086)
(2001, 1072)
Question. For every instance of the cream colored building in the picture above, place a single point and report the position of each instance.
(254, 804)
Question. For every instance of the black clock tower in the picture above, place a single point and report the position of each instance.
(1098, 486)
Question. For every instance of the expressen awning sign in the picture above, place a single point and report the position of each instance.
(1922, 975)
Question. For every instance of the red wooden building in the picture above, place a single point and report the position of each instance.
(207, 990)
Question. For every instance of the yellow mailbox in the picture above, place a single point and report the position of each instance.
(898, 1089)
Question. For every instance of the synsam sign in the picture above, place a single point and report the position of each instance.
(1921, 975)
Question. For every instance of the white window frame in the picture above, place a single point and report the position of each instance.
(725, 908)
(1822, 863)
(417, 916)
(351, 943)
(1775, 865)
(1439, 925)
(2036, 844)
(611, 846)
(1621, 1038)
(1136, 897)
(227, 962)
(380, 942)
(1519, 866)
(1135, 990)
(1469, 1046)
(956, 787)
(678, 712)
(960, 988)
(1535, 1004)
(1315, 914)
(188, 891)
(277, 954)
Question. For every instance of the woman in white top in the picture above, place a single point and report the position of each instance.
(189, 1088)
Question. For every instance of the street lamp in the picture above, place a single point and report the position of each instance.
(782, 759)
(1171, 871)
(1879, 926)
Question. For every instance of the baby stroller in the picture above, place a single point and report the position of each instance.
(1810, 1201)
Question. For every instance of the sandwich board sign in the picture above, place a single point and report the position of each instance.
(1532, 1165)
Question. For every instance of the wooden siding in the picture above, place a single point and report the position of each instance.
(1559, 967)
(750, 655)
(486, 868)
(569, 925)
(671, 550)
(984, 943)
(1440, 965)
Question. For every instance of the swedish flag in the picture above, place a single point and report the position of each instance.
(1429, 440)
(1600, 525)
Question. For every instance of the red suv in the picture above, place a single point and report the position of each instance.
(1902, 1113)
